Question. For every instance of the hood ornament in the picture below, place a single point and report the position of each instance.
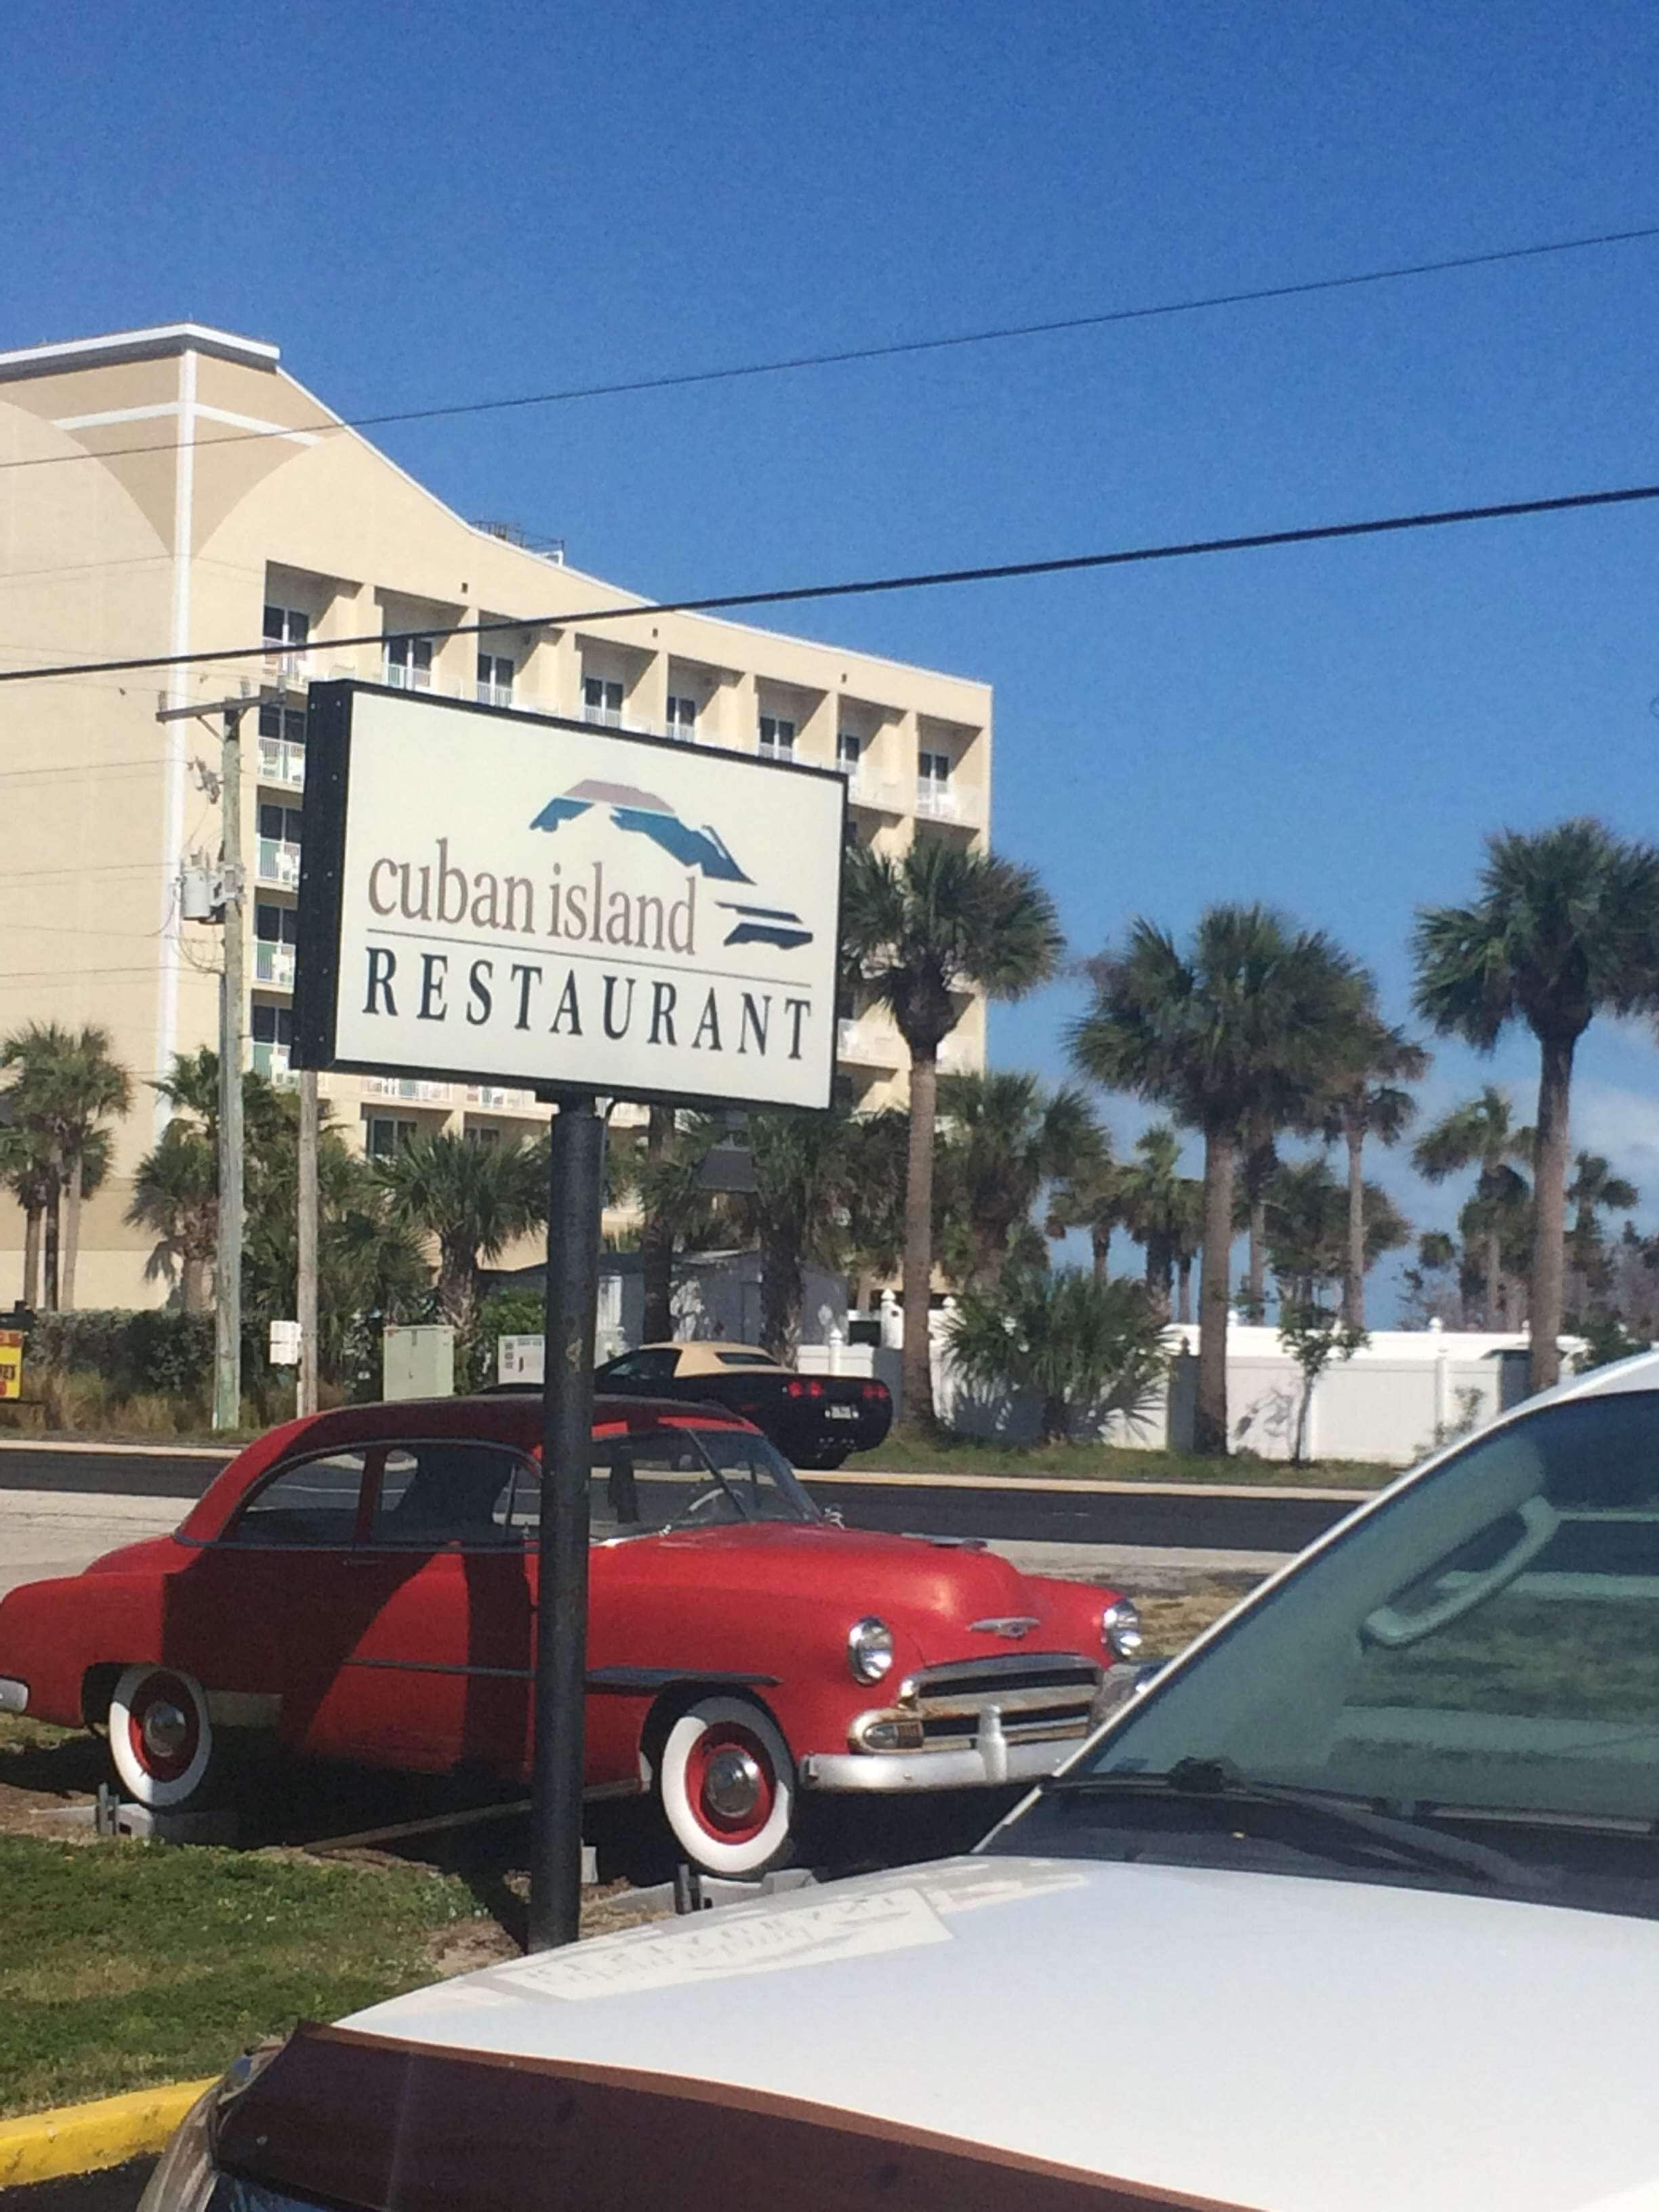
(1009, 1623)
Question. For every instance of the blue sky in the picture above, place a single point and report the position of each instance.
(423, 204)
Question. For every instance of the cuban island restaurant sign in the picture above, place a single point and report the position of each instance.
(493, 897)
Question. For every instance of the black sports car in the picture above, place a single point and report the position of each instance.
(815, 1420)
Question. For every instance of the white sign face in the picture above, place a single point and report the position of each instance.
(526, 902)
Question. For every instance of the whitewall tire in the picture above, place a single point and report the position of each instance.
(159, 1736)
(726, 1785)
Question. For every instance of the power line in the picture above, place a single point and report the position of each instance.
(891, 349)
(999, 572)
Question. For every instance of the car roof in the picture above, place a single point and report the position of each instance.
(702, 1355)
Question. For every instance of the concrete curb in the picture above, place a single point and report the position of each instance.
(82, 2138)
(1086, 1485)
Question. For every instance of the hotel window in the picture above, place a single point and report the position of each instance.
(495, 680)
(933, 782)
(385, 1136)
(285, 626)
(602, 702)
(285, 723)
(409, 663)
(777, 738)
(681, 718)
(276, 925)
(272, 1025)
(281, 822)
(849, 750)
(481, 1134)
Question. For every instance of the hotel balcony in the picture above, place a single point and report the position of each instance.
(271, 1061)
(281, 760)
(869, 1044)
(273, 965)
(279, 863)
(499, 1101)
(411, 1088)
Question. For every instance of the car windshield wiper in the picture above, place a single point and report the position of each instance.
(1214, 1780)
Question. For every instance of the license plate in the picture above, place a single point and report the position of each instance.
(840, 1413)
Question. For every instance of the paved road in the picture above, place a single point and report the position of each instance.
(1172, 1519)
(117, 2189)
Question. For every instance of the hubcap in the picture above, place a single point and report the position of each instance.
(166, 1730)
(733, 1782)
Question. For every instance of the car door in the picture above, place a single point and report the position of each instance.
(265, 1611)
(443, 1595)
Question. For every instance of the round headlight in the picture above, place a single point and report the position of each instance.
(1120, 1629)
(869, 1649)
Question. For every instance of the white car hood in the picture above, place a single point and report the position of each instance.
(1265, 2040)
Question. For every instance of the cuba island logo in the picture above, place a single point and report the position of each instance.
(642, 814)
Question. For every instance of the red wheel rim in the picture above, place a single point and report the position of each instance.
(728, 1736)
(157, 1690)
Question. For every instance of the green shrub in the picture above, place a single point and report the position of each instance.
(160, 1350)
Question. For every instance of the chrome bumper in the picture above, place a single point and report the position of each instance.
(992, 1761)
(13, 1695)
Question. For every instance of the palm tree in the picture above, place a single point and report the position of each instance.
(1246, 1024)
(657, 1231)
(472, 1200)
(1003, 1137)
(1594, 1189)
(1367, 1102)
(827, 1189)
(920, 932)
(1308, 1228)
(1092, 1200)
(1566, 926)
(67, 1085)
(1083, 1348)
(175, 1196)
(28, 1172)
(1481, 1134)
(1162, 1210)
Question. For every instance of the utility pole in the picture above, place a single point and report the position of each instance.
(232, 876)
(305, 1402)
(577, 1171)
(227, 1261)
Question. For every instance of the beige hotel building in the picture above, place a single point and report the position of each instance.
(175, 490)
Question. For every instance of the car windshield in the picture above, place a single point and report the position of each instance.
(670, 1477)
(1479, 1651)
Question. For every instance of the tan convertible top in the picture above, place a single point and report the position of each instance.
(704, 1358)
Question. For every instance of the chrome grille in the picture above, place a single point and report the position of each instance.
(1044, 1698)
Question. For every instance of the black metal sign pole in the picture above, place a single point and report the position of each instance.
(572, 1289)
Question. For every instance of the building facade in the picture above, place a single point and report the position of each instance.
(175, 491)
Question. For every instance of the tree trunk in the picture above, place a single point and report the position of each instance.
(1100, 1241)
(1549, 1195)
(49, 1285)
(1210, 1423)
(1494, 1268)
(657, 1243)
(1255, 1264)
(32, 1222)
(918, 1274)
(1353, 1274)
(71, 1233)
(1055, 1422)
(458, 1291)
(1160, 1275)
(782, 1294)
(193, 1284)
(1184, 1289)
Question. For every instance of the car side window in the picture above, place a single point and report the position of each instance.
(312, 1502)
(656, 1365)
(451, 1491)
(644, 1480)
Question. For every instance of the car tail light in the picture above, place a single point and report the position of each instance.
(873, 1390)
(795, 1389)
(815, 1389)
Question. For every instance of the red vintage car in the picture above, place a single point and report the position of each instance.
(363, 1583)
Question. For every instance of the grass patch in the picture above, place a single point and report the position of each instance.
(908, 1452)
(1170, 1623)
(128, 1964)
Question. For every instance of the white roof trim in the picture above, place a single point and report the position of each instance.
(165, 339)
